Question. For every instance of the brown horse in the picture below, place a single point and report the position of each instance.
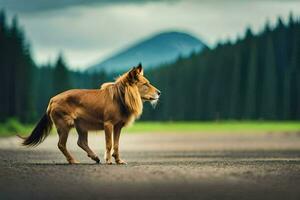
(110, 108)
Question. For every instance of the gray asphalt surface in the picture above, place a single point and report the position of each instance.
(160, 166)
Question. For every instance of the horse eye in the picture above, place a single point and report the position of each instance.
(145, 87)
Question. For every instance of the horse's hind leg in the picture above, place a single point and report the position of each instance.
(63, 136)
(63, 132)
(83, 143)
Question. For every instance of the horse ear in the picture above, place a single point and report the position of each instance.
(140, 69)
(133, 73)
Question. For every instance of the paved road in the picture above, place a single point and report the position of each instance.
(160, 166)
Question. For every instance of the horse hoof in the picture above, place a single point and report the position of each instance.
(96, 159)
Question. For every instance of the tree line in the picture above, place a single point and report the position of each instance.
(25, 87)
(255, 77)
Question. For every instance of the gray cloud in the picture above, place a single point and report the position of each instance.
(29, 6)
(87, 34)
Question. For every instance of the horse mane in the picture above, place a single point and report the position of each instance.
(126, 94)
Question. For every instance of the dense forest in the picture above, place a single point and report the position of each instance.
(256, 77)
(25, 87)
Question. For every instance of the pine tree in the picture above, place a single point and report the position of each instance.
(235, 88)
(295, 77)
(250, 106)
(44, 88)
(3, 69)
(61, 79)
(269, 84)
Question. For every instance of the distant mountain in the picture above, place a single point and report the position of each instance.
(158, 49)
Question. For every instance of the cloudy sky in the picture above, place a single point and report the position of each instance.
(88, 31)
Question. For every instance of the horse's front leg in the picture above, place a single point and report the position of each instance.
(108, 129)
(116, 154)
